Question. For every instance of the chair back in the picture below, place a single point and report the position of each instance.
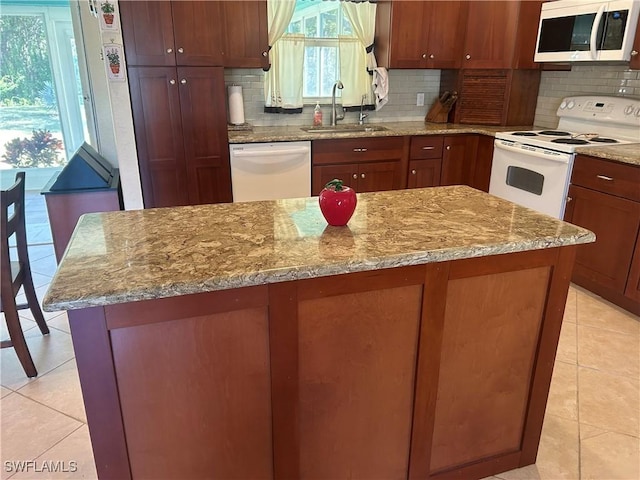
(12, 221)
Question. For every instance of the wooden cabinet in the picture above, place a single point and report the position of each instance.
(458, 160)
(634, 63)
(604, 197)
(195, 33)
(418, 34)
(425, 161)
(180, 126)
(365, 164)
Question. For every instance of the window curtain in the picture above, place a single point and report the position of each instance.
(362, 16)
(353, 73)
(286, 58)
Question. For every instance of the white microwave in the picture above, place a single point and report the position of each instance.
(587, 30)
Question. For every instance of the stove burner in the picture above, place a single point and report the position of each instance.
(525, 134)
(556, 133)
(570, 141)
(604, 140)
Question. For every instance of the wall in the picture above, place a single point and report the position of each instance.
(615, 80)
(403, 87)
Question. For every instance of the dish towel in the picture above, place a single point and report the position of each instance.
(380, 86)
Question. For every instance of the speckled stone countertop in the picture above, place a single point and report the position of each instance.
(118, 257)
(393, 129)
(629, 153)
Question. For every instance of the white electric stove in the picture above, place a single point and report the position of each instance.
(533, 168)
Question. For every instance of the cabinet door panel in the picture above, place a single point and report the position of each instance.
(156, 114)
(198, 38)
(147, 31)
(409, 33)
(490, 34)
(615, 221)
(246, 43)
(458, 160)
(321, 175)
(633, 283)
(204, 122)
(378, 176)
(424, 173)
(447, 21)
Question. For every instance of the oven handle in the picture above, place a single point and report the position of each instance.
(594, 32)
(560, 158)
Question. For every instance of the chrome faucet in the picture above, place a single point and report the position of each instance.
(362, 114)
(334, 114)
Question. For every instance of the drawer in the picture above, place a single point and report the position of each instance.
(426, 147)
(350, 150)
(619, 179)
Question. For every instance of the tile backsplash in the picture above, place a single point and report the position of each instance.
(613, 80)
(404, 85)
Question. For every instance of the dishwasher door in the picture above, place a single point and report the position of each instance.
(270, 171)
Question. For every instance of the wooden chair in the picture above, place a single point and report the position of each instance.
(16, 274)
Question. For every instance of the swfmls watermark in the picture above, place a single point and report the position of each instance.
(44, 466)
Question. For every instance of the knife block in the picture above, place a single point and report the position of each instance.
(439, 112)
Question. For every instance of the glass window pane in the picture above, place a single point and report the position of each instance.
(295, 27)
(311, 86)
(329, 24)
(328, 69)
(347, 29)
(311, 27)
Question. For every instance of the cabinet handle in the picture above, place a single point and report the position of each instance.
(448, 147)
(355, 175)
(467, 56)
(604, 177)
(424, 55)
(172, 82)
(569, 199)
(265, 53)
(181, 50)
(359, 149)
(634, 53)
(413, 172)
(183, 81)
(362, 175)
(169, 50)
(428, 148)
(432, 56)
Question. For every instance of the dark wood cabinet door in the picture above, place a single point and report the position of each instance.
(409, 34)
(634, 64)
(633, 283)
(445, 43)
(490, 34)
(246, 41)
(424, 173)
(204, 122)
(147, 31)
(323, 174)
(374, 177)
(458, 160)
(198, 38)
(615, 221)
(155, 103)
(484, 160)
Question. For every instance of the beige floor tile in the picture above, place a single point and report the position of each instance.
(609, 351)
(558, 455)
(47, 315)
(60, 322)
(563, 394)
(26, 323)
(596, 312)
(58, 389)
(4, 392)
(29, 429)
(567, 345)
(609, 401)
(588, 431)
(48, 352)
(570, 307)
(73, 455)
(610, 456)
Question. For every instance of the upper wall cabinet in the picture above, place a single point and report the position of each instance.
(198, 33)
(416, 34)
(172, 33)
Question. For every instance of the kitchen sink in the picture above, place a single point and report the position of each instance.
(345, 129)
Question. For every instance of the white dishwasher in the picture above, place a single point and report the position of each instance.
(270, 171)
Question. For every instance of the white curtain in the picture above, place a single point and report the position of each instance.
(356, 59)
(286, 57)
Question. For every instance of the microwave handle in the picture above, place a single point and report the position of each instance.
(594, 31)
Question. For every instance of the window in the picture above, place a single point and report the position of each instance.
(321, 22)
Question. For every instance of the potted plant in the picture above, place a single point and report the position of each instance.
(107, 12)
(114, 61)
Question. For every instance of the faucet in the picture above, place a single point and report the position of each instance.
(362, 114)
(334, 113)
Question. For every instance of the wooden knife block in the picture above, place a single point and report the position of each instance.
(439, 112)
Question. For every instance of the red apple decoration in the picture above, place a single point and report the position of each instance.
(337, 202)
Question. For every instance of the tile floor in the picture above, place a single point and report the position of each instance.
(591, 429)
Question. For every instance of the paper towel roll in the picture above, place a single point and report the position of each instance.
(236, 105)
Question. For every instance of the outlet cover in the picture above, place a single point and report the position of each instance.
(420, 100)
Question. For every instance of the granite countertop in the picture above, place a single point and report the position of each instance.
(629, 153)
(118, 257)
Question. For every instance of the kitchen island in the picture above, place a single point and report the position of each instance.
(252, 340)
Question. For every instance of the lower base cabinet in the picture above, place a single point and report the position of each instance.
(379, 374)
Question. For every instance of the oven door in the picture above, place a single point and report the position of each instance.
(533, 177)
